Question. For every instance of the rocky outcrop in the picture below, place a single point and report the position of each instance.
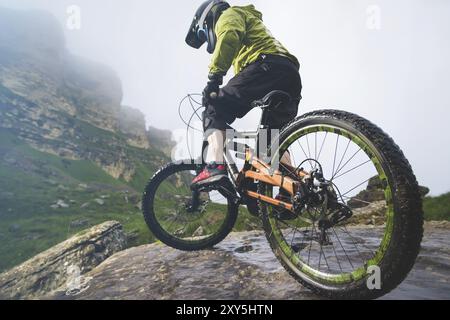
(241, 267)
(372, 214)
(132, 124)
(62, 264)
(374, 192)
(161, 140)
(159, 272)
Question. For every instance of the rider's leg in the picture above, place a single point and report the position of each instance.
(214, 153)
(214, 127)
(286, 159)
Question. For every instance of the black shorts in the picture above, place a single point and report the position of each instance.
(253, 83)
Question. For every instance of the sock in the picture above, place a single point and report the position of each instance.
(214, 152)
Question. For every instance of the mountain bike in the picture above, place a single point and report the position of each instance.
(309, 206)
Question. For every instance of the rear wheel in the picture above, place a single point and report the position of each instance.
(371, 179)
(181, 218)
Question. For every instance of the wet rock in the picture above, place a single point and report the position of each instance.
(159, 272)
(52, 268)
(243, 249)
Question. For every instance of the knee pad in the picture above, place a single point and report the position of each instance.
(207, 121)
(211, 120)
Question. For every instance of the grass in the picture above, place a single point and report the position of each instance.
(38, 233)
(32, 181)
(437, 208)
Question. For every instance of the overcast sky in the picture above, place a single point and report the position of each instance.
(385, 60)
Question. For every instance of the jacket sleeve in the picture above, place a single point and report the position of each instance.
(230, 31)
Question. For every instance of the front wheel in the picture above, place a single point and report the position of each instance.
(362, 241)
(183, 219)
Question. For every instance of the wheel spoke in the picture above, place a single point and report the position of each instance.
(342, 158)
(323, 143)
(352, 169)
(309, 150)
(337, 258)
(344, 194)
(306, 156)
(335, 153)
(345, 252)
(351, 158)
(315, 149)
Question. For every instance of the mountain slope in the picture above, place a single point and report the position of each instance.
(71, 154)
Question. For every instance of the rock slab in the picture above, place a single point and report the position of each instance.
(228, 272)
(53, 268)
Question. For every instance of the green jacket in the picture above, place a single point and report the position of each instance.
(241, 38)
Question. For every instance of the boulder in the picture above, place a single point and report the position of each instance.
(53, 268)
(373, 193)
(373, 214)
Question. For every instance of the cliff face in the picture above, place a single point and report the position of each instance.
(70, 154)
(62, 104)
(35, 65)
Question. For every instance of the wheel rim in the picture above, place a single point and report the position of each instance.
(171, 203)
(311, 141)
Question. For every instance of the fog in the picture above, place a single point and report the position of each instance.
(385, 60)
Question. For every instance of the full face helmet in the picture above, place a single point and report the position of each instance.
(204, 23)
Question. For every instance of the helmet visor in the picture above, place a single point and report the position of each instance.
(192, 38)
(197, 36)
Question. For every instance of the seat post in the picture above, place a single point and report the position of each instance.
(264, 118)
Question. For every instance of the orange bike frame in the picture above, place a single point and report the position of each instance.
(261, 171)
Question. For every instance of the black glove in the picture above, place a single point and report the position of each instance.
(213, 86)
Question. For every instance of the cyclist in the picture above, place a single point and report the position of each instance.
(237, 36)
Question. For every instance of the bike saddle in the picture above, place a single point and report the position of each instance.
(273, 100)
